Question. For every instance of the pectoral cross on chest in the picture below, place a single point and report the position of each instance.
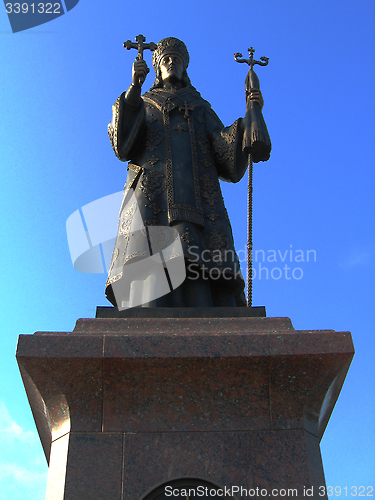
(186, 109)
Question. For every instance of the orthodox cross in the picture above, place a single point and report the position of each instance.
(186, 109)
(140, 45)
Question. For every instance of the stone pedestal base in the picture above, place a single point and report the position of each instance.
(125, 405)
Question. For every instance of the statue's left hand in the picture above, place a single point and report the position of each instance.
(255, 95)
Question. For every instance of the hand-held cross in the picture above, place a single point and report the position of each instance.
(140, 46)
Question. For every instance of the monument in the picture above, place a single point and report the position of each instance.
(192, 394)
(178, 149)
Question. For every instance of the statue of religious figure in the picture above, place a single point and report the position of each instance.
(178, 149)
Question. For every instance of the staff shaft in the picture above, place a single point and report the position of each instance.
(250, 233)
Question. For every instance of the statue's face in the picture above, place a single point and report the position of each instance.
(171, 68)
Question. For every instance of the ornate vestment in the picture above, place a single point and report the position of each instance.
(178, 149)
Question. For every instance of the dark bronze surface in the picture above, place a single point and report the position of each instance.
(256, 139)
(140, 45)
(178, 149)
(251, 61)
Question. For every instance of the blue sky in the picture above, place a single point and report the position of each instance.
(316, 192)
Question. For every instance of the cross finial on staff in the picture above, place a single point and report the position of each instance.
(140, 45)
(251, 61)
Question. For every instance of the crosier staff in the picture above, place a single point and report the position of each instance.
(256, 144)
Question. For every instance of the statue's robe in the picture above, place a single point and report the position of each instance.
(178, 149)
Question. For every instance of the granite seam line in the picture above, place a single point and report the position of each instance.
(241, 431)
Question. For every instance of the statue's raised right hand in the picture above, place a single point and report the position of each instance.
(139, 73)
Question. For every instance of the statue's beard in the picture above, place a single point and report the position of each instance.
(159, 82)
(172, 79)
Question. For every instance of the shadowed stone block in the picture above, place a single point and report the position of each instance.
(123, 405)
(95, 466)
(222, 457)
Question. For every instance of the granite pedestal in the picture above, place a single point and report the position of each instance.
(125, 405)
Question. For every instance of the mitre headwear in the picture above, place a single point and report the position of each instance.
(170, 45)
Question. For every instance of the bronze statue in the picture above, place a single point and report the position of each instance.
(178, 149)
